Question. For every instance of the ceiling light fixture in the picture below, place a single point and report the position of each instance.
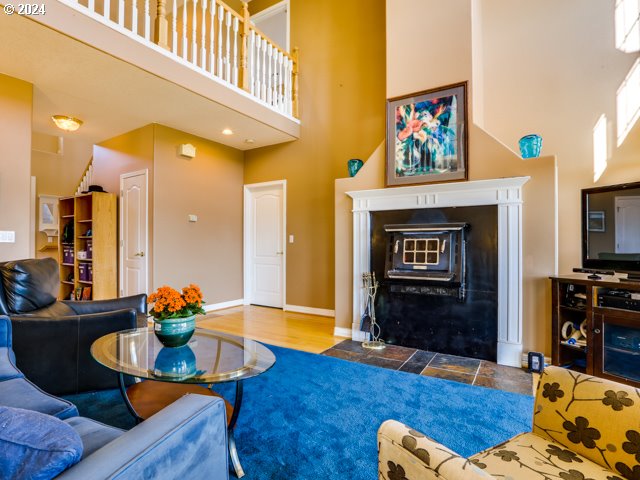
(249, 140)
(66, 123)
(227, 131)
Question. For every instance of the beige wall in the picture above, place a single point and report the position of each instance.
(56, 173)
(208, 252)
(488, 157)
(130, 152)
(15, 165)
(556, 81)
(342, 93)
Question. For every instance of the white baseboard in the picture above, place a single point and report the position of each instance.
(323, 312)
(342, 332)
(219, 306)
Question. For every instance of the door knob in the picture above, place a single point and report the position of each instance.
(279, 253)
(139, 254)
(596, 331)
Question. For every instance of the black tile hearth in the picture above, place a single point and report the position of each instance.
(450, 367)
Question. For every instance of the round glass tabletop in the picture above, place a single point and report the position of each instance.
(209, 357)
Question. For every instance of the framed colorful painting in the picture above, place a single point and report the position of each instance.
(427, 136)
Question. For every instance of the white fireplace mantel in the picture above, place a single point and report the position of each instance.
(506, 193)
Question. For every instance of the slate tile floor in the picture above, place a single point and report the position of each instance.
(440, 365)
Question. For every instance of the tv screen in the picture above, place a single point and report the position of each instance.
(611, 227)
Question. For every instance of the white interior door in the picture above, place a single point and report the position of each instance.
(264, 244)
(627, 224)
(134, 213)
(274, 23)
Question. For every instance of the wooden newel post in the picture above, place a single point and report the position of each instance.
(244, 48)
(161, 25)
(294, 82)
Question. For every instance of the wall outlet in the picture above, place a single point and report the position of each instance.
(193, 218)
(290, 238)
(7, 236)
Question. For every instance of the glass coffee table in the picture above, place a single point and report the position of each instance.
(169, 373)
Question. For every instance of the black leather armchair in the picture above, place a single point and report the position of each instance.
(52, 339)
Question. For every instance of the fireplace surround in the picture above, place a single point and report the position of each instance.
(506, 193)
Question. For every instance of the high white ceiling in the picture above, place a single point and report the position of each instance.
(112, 96)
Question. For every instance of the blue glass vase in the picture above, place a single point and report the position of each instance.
(354, 165)
(530, 146)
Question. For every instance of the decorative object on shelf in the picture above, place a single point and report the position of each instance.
(370, 285)
(82, 254)
(427, 136)
(530, 146)
(67, 233)
(354, 165)
(174, 314)
(574, 334)
(175, 363)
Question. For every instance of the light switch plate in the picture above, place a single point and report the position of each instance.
(7, 236)
(193, 218)
(290, 238)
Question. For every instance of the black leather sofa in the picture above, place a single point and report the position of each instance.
(52, 339)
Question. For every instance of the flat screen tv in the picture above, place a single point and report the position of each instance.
(611, 228)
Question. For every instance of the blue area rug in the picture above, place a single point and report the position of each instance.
(313, 416)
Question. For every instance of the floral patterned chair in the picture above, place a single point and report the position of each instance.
(584, 428)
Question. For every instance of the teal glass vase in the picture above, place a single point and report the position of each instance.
(354, 165)
(530, 146)
(175, 332)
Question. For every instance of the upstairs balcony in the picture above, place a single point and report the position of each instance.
(194, 65)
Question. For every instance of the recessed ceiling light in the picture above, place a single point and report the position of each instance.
(249, 140)
(227, 131)
(66, 123)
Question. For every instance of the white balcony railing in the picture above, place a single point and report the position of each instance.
(213, 38)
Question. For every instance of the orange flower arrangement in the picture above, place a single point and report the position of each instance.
(169, 303)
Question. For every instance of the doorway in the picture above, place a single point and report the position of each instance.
(274, 23)
(264, 243)
(134, 233)
(627, 218)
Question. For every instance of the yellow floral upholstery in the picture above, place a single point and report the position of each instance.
(405, 454)
(585, 428)
(594, 417)
(531, 456)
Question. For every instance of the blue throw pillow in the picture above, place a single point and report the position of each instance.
(35, 446)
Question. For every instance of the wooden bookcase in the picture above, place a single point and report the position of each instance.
(93, 217)
(611, 308)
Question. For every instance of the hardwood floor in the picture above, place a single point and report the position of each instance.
(310, 333)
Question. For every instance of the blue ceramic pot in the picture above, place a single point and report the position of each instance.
(354, 165)
(175, 363)
(530, 146)
(175, 332)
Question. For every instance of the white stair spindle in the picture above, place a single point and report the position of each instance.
(194, 28)
(203, 37)
(107, 9)
(257, 56)
(121, 13)
(91, 5)
(280, 82)
(212, 22)
(235, 50)
(174, 28)
(270, 73)
(147, 20)
(227, 58)
(252, 72)
(290, 87)
(134, 17)
(185, 46)
(263, 93)
(220, 19)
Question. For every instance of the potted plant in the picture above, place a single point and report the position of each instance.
(174, 313)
